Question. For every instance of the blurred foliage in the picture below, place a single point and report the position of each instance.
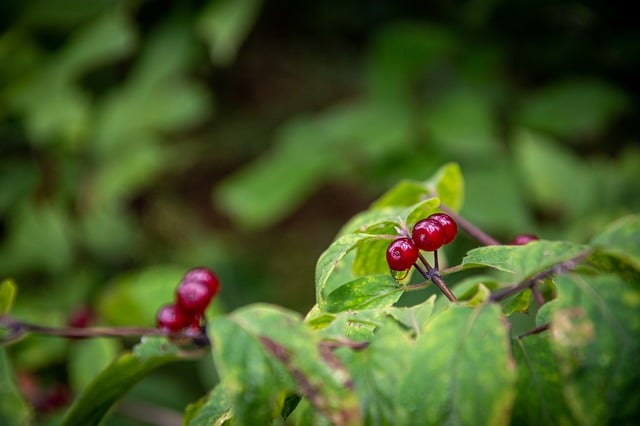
(139, 138)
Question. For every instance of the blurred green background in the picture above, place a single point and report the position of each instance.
(141, 138)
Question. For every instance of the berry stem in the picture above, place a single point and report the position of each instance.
(471, 229)
(18, 328)
(432, 275)
(436, 265)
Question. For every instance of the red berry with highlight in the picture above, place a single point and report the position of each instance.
(193, 297)
(522, 239)
(428, 235)
(448, 225)
(172, 318)
(402, 254)
(204, 276)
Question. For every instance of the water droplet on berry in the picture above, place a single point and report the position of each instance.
(399, 275)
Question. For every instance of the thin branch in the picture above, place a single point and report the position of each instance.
(432, 275)
(470, 228)
(558, 268)
(536, 330)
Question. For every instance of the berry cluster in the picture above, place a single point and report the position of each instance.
(428, 234)
(194, 293)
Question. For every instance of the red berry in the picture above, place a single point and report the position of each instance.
(193, 297)
(172, 318)
(204, 276)
(428, 235)
(522, 239)
(448, 225)
(402, 254)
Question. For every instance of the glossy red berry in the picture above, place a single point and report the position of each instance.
(204, 276)
(193, 297)
(402, 254)
(448, 225)
(428, 235)
(172, 318)
(522, 239)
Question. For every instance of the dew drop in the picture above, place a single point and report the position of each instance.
(399, 275)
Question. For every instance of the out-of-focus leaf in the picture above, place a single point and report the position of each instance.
(225, 24)
(371, 291)
(355, 325)
(8, 290)
(620, 240)
(463, 351)
(37, 231)
(87, 358)
(524, 261)
(573, 109)
(449, 185)
(112, 383)
(134, 298)
(14, 411)
(555, 179)
(519, 303)
(464, 126)
(405, 53)
(593, 340)
(377, 379)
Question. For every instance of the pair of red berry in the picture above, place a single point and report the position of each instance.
(428, 234)
(194, 293)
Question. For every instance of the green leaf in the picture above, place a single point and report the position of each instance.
(523, 261)
(293, 346)
(621, 240)
(112, 383)
(87, 358)
(253, 383)
(368, 292)
(573, 109)
(224, 24)
(371, 258)
(460, 370)
(541, 398)
(8, 290)
(464, 125)
(413, 317)
(355, 325)
(377, 371)
(214, 409)
(519, 303)
(14, 410)
(449, 186)
(565, 184)
(331, 259)
(404, 193)
(134, 298)
(595, 330)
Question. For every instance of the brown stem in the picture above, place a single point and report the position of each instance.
(558, 268)
(432, 274)
(536, 330)
(470, 228)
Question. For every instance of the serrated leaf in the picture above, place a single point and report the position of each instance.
(621, 240)
(463, 351)
(523, 261)
(368, 292)
(331, 258)
(112, 383)
(8, 290)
